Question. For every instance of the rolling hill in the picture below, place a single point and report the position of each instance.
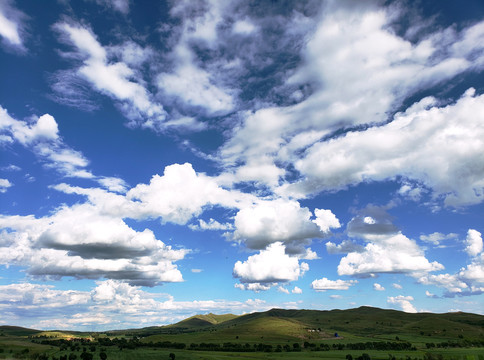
(278, 325)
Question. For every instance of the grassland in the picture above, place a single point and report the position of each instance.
(275, 334)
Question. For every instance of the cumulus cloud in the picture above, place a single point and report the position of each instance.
(469, 280)
(181, 194)
(405, 147)
(404, 302)
(372, 220)
(397, 286)
(474, 242)
(451, 282)
(387, 249)
(111, 303)
(271, 265)
(267, 222)
(42, 128)
(326, 284)
(82, 242)
(4, 185)
(296, 290)
(387, 254)
(378, 287)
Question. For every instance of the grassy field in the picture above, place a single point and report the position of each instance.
(21, 348)
(152, 354)
(423, 336)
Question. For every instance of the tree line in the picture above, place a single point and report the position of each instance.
(134, 343)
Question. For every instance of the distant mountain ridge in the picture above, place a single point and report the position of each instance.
(280, 324)
(363, 321)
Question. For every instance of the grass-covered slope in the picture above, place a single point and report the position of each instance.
(201, 321)
(361, 324)
(7, 330)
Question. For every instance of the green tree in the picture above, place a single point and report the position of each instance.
(86, 356)
(103, 356)
(172, 356)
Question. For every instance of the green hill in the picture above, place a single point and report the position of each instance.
(361, 324)
(6, 330)
(200, 321)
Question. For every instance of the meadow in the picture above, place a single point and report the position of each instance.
(356, 334)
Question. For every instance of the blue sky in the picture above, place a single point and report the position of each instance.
(160, 160)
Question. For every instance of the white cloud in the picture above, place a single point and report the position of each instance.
(243, 27)
(256, 287)
(283, 290)
(404, 302)
(397, 286)
(267, 222)
(270, 266)
(345, 247)
(326, 220)
(41, 136)
(411, 191)
(378, 287)
(114, 79)
(12, 25)
(473, 274)
(381, 76)
(111, 303)
(11, 167)
(405, 147)
(436, 237)
(451, 282)
(181, 194)
(326, 284)
(119, 5)
(210, 225)
(82, 242)
(296, 290)
(260, 170)
(468, 280)
(474, 242)
(197, 271)
(309, 255)
(387, 254)
(43, 128)
(4, 185)
(196, 86)
(113, 184)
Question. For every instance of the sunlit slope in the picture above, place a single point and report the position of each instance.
(201, 321)
(362, 322)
